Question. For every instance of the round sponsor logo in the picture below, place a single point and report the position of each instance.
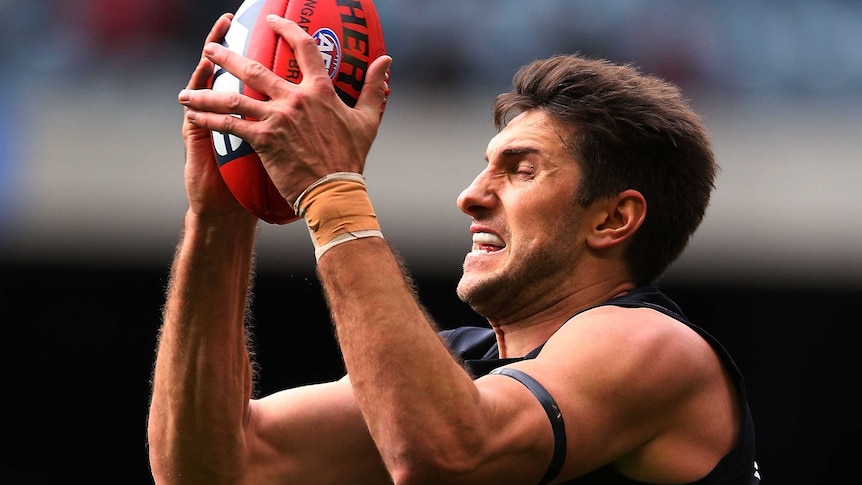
(330, 49)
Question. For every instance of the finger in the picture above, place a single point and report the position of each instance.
(250, 72)
(219, 28)
(201, 76)
(223, 123)
(222, 102)
(375, 89)
(304, 47)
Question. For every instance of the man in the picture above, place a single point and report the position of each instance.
(592, 187)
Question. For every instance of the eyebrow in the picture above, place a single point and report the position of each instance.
(515, 151)
(518, 151)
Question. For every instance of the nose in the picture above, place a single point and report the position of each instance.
(477, 196)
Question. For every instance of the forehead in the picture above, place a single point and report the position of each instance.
(532, 130)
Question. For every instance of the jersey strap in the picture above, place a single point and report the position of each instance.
(554, 415)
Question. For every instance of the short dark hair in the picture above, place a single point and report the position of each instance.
(629, 131)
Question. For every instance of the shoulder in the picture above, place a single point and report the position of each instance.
(619, 342)
(645, 381)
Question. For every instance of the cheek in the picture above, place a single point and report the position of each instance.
(548, 223)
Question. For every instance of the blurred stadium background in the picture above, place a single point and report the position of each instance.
(92, 197)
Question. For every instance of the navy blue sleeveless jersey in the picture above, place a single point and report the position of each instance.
(477, 348)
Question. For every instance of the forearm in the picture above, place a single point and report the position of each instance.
(202, 378)
(391, 348)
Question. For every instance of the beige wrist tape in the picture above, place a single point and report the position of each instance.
(337, 209)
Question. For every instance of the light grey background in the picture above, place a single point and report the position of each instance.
(93, 174)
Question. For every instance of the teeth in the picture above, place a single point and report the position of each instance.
(487, 238)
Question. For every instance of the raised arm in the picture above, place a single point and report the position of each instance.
(422, 408)
(202, 378)
(204, 426)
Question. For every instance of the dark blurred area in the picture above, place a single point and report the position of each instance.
(93, 204)
(82, 340)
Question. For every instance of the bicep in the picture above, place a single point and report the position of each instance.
(312, 434)
(521, 428)
(583, 434)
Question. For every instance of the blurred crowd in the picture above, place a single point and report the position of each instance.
(763, 46)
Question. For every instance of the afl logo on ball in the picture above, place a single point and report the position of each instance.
(330, 49)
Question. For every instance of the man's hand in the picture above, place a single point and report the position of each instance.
(303, 131)
(207, 193)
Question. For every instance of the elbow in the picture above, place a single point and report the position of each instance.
(431, 474)
(452, 464)
(163, 470)
(175, 463)
(158, 461)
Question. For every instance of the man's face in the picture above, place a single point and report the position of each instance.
(526, 225)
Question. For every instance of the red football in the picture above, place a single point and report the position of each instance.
(349, 37)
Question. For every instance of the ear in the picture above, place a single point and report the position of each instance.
(616, 219)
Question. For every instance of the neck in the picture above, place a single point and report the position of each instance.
(519, 335)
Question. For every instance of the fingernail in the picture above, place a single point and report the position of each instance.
(184, 96)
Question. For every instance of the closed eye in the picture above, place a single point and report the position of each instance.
(526, 168)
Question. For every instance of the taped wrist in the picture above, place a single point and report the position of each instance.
(337, 209)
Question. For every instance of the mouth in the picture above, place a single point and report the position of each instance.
(485, 242)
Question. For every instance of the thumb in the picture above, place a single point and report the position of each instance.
(375, 90)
